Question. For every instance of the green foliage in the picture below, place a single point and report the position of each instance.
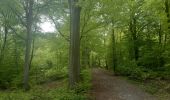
(45, 92)
(85, 85)
(9, 64)
(154, 59)
(42, 94)
(140, 47)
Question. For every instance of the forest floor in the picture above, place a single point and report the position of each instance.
(106, 86)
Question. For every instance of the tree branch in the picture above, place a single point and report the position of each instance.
(16, 32)
(65, 37)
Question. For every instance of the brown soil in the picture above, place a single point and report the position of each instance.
(109, 87)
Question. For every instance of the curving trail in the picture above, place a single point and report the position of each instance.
(109, 87)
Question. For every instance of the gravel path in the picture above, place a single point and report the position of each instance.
(109, 87)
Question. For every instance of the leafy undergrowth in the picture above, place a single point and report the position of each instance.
(156, 87)
(56, 90)
(159, 88)
(155, 82)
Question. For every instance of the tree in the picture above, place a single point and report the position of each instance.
(29, 22)
(167, 11)
(74, 67)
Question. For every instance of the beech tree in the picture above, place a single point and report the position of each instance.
(74, 65)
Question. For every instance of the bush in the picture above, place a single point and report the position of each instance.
(135, 72)
(85, 85)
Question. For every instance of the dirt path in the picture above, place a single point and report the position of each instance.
(109, 87)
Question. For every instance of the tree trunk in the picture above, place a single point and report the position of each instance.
(4, 43)
(85, 54)
(134, 39)
(114, 51)
(32, 52)
(160, 35)
(29, 22)
(167, 12)
(16, 54)
(74, 67)
(168, 21)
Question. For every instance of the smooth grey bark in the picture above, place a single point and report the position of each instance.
(29, 22)
(74, 61)
(32, 52)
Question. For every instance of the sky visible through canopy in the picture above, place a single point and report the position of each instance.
(46, 25)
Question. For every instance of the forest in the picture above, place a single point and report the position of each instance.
(84, 49)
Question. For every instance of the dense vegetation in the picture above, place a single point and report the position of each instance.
(128, 37)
